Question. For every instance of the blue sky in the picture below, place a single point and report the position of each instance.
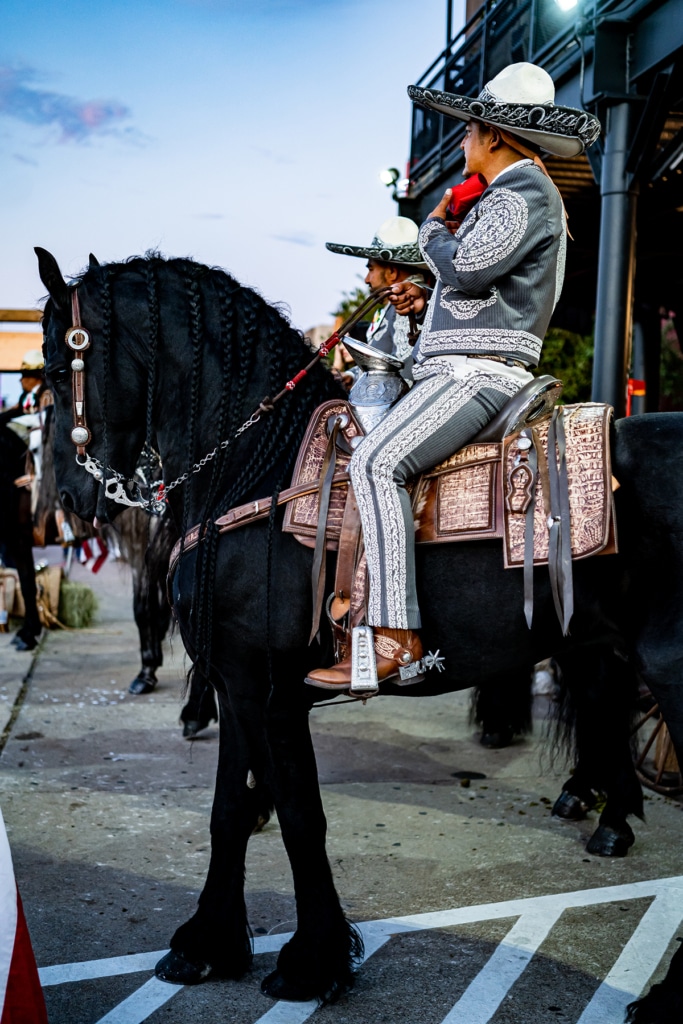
(243, 134)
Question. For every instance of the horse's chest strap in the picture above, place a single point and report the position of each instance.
(242, 515)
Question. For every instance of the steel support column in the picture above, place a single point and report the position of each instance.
(616, 264)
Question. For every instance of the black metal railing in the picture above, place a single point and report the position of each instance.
(501, 32)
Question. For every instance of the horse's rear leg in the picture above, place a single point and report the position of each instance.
(602, 689)
(502, 707)
(318, 961)
(217, 939)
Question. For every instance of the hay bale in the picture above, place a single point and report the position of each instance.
(77, 605)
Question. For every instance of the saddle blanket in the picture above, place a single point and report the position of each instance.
(472, 495)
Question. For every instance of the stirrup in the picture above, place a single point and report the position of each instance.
(363, 663)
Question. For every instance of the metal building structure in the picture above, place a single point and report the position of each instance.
(624, 62)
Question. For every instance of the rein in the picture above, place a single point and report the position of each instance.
(128, 492)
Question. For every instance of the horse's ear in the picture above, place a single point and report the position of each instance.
(93, 261)
(51, 276)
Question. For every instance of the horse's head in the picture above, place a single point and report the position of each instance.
(106, 422)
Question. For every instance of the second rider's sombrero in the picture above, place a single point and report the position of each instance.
(394, 242)
(521, 101)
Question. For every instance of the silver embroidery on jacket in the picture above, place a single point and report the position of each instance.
(402, 347)
(465, 309)
(502, 221)
(429, 228)
(494, 340)
(561, 260)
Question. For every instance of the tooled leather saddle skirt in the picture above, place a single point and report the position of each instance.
(478, 493)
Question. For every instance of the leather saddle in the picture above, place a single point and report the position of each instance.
(547, 509)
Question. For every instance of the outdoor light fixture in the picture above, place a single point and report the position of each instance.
(566, 5)
(389, 176)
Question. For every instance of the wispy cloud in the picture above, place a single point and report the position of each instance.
(302, 239)
(270, 154)
(22, 159)
(76, 119)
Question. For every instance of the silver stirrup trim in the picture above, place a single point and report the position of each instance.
(363, 662)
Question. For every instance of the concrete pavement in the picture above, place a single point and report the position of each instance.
(107, 810)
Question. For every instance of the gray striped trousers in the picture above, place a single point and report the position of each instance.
(439, 415)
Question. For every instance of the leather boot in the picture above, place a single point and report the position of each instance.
(394, 649)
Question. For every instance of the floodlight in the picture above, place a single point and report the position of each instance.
(389, 176)
(566, 5)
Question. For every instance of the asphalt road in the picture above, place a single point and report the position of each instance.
(476, 904)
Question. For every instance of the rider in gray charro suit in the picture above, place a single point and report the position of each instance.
(393, 256)
(498, 280)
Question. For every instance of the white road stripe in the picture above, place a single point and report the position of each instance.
(108, 968)
(486, 992)
(289, 1013)
(637, 963)
(142, 1003)
(536, 917)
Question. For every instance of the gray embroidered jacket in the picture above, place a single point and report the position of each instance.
(391, 335)
(500, 276)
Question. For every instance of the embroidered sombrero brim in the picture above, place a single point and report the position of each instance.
(562, 131)
(409, 255)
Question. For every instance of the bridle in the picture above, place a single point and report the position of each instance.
(116, 487)
(131, 492)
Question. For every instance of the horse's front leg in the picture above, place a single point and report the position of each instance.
(217, 939)
(318, 961)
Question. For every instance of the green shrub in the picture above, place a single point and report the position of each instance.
(77, 605)
(569, 357)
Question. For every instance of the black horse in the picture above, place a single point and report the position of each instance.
(16, 533)
(185, 351)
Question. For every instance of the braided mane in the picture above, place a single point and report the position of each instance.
(253, 340)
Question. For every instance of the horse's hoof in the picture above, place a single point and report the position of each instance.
(496, 740)
(261, 821)
(24, 645)
(176, 969)
(570, 807)
(277, 987)
(607, 842)
(193, 726)
(141, 685)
